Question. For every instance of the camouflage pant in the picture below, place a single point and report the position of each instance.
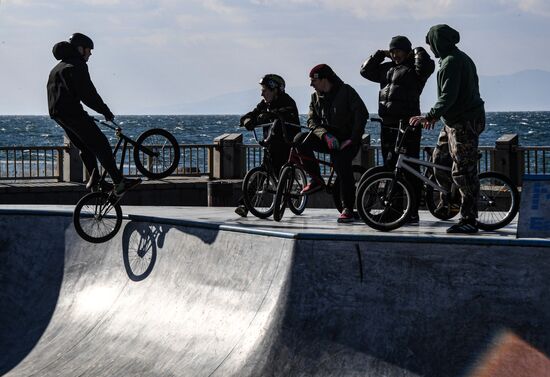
(457, 147)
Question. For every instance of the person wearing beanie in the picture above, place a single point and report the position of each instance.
(401, 80)
(337, 116)
(275, 102)
(69, 85)
(462, 111)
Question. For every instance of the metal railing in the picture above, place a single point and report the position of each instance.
(536, 160)
(21, 163)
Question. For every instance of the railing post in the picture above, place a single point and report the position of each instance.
(365, 156)
(507, 157)
(229, 157)
(73, 167)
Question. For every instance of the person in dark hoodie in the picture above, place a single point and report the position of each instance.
(462, 110)
(401, 82)
(275, 103)
(69, 85)
(338, 116)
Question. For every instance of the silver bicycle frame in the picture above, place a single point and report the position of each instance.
(403, 163)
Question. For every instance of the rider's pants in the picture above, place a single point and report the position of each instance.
(457, 147)
(92, 143)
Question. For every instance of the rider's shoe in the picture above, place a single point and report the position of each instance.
(414, 219)
(93, 181)
(241, 211)
(314, 185)
(346, 216)
(464, 226)
(126, 184)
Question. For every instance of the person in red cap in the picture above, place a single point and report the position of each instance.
(338, 117)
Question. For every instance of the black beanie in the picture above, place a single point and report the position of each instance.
(321, 71)
(401, 43)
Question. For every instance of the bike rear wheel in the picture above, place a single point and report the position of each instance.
(284, 188)
(498, 201)
(156, 153)
(434, 199)
(384, 202)
(259, 189)
(97, 217)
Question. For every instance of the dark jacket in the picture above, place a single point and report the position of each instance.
(283, 105)
(340, 112)
(400, 85)
(69, 84)
(457, 81)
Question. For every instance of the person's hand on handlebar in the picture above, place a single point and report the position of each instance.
(420, 121)
(332, 142)
(109, 116)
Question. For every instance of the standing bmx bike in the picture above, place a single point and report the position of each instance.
(289, 188)
(384, 198)
(260, 183)
(97, 216)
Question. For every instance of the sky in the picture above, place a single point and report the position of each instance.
(152, 54)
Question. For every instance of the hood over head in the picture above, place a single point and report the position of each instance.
(64, 50)
(442, 39)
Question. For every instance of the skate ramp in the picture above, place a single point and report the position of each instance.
(163, 299)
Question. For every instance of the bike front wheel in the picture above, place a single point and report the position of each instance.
(298, 201)
(498, 201)
(259, 189)
(384, 201)
(284, 189)
(156, 153)
(97, 217)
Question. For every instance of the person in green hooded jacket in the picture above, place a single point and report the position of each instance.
(462, 111)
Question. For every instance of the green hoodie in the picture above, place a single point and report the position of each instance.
(457, 81)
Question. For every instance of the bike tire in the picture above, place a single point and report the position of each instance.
(283, 191)
(259, 188)
(166, 153)
(498, 201)
(297, 202)
(372, 171)
(380, 211)
(358, 173)
(97, 217)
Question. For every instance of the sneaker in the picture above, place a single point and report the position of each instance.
(241, 211)
(126, 184)
(313, 186)
(464, 226)
(414, 219)
(346, 216)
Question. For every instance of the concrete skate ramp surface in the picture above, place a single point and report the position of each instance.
(186, 300)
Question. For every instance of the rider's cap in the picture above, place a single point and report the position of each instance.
(79, 39)
(321, 71)
(400, 42)
(273, 81)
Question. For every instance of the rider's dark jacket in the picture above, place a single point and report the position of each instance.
(69, 84)
(457, 82)
(400, 84)
(340, 112)
(283, 106)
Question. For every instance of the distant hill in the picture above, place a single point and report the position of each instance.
(522, 91)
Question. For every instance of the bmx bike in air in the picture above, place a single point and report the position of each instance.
(97, 216)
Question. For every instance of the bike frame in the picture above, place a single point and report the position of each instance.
(403, 162)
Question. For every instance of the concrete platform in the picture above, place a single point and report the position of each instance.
(187, 291)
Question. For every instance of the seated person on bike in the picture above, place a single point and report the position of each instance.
(338, 117)
(69, 84)
(276, 102)
(401, 82)
(463, 112)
